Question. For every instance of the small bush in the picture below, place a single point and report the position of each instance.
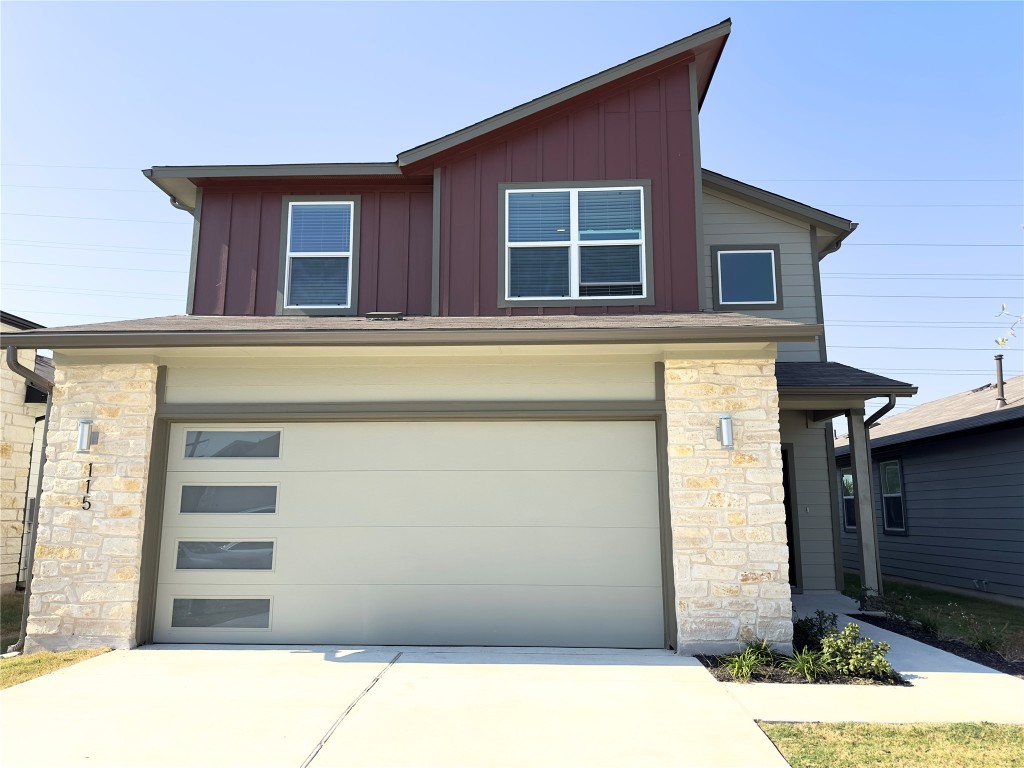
(847, 653)
(742, 666)
(811, 664)
(809, 631)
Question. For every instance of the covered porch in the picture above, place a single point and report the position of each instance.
(810, 396)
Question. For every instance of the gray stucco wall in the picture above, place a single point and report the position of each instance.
(964, 500)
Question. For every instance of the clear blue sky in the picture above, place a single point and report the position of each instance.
(907, 118)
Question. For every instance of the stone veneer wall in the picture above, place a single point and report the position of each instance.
(16, 434)
(85, 585)
(730, 556)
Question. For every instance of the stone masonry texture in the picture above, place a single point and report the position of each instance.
(730, 556)
(16, 434)
(85, 584)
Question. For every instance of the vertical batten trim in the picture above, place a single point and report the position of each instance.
(197, 215)
(698, 193)
(435, 247)
(819, 306)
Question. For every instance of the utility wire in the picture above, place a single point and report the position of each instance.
(92, 218)
(908, 296)
(105, 246)
(75, 189)
(96, 266)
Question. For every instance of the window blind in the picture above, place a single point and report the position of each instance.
(542, 272)
(321, 228)
(538, 217)
(609, 214)
(319, 281)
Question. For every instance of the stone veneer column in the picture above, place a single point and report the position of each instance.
(731, 561)
(85, 585)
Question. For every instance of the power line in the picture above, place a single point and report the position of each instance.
(97, 266)
(66, 314)
(915, 181)
(914, 205)
(938, 245)
(80, 167)
(92, 218)
(908, 296)
(107, 294)
(923, 277)
(105, 246)
(74, 189)
(915, 349)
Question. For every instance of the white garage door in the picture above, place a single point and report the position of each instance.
(426, 533)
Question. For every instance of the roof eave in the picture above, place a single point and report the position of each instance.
(414, 337)
(867, 392)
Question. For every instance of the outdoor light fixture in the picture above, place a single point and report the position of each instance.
(85, 435)
(725, 431)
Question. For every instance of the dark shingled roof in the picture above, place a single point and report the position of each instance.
(816, 376)
(965, 410)
(197, 330)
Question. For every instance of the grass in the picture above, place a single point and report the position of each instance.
(870, 745)
(978, 622)
(22, 668)
(10, 619)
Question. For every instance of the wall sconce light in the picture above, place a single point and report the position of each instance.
(86, 436)
(725, 431)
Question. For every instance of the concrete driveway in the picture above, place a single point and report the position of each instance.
(330, 707)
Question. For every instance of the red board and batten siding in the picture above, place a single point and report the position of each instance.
(239, 252)
(643, 131)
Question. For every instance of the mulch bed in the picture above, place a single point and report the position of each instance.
(715, 665)
(956, 647)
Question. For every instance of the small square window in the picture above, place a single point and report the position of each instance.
(746, 278)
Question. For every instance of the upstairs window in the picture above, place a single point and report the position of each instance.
(746, 278)
(894, 516)
(566, 245)
(319, 255)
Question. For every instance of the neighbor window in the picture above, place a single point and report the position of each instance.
(319, 255)
(571, 244)
(846, 493)
(894, 515)
(746, 278)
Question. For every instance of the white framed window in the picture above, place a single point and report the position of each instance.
(575, 244)
(319, 254)
(231, 443)
(894, 513)
(846, 494)
(747, 277)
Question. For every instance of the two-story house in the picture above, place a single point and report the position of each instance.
(539, 382)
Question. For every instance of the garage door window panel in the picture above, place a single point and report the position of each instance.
(225, 556)
(228, 500)
(232, 444)
(218, 612)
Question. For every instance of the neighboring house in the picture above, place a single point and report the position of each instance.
(949, 492)
(23, 409)
(541, 381)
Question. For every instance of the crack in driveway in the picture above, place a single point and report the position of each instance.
(349, 708)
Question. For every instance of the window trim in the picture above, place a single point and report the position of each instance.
(647, 250)
(716, 278)
(904, 531)
(284, 272)
(183, 445)
(842, 501)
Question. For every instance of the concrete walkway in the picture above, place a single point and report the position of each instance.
(379, 708)
(944, 688)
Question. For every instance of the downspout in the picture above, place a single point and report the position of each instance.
(42, 384)
(873, 418)
(28, 515)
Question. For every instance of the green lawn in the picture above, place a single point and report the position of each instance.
(10, 619)
(860, 745)
(22, 668)
(983, 623)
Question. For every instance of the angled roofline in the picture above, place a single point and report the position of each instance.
(653, 58)
(839, 226)
(18, 322)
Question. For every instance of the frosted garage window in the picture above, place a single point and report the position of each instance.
(228, 499)
(225, 556)
(224, 444)
(747, 278)
(230, 613)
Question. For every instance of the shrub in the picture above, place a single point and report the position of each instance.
(811, 664)
(847, 653)
(809, 631)
(742, 666)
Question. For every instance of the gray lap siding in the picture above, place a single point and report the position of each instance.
(964, 501)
